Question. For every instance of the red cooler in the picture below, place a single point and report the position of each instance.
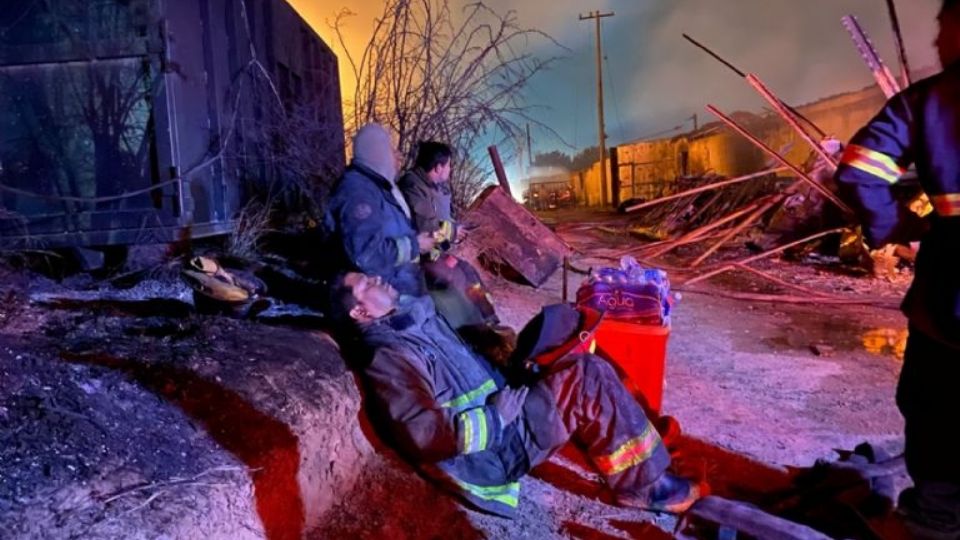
(634, 331)
(639, 351)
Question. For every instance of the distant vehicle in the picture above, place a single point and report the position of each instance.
(549, 195)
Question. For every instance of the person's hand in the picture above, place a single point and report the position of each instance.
(509, 402)
(426, 242)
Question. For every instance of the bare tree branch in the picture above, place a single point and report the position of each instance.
(429, 73)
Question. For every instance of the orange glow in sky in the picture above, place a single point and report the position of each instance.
(654, 79)
(357, 29)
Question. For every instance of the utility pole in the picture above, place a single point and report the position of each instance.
(696, 122)
(596, 15)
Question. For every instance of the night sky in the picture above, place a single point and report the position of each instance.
(654, 79)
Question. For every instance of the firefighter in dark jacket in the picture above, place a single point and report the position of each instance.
(451, 413)
(921, 125)
(457, 290)
(368, 220)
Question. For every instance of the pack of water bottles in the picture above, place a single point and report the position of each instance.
(629, 293)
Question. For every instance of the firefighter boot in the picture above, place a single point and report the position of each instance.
(669, 493)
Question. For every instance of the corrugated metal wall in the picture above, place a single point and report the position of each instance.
(125, 121)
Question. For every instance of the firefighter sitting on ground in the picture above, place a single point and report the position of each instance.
(457, 290)
(458, 420)
(369, 221)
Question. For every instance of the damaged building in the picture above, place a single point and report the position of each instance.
(645, 169)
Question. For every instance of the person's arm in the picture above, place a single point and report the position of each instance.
(364, 240)
(423, 427)
(871, 164)
(420, 201)
(425, 217)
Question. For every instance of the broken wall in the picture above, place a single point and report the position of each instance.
(647, 169)
(592, 191)
(839, 116)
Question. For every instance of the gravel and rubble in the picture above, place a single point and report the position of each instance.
(115, 423)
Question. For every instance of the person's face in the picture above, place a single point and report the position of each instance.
(374, 298)
(441, 173)
(948, 39)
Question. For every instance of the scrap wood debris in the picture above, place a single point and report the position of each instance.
(851, 497)
(712, 212)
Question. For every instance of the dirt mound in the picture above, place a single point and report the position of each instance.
(118, 426)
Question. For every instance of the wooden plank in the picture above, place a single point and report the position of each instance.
(749, 221)
(751, 520)
(763, 255)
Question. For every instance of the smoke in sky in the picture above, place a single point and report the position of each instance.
(654, 79)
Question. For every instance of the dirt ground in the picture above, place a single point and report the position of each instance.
(120, 423)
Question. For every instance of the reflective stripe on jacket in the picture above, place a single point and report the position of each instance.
(432, 392)
(920, 126)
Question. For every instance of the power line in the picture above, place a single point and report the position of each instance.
(662, 132)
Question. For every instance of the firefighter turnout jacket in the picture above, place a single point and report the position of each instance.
(431, 206)
(920, 126)
(370, 232)
(431, 392)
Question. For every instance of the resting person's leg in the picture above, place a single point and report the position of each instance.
(582, 398)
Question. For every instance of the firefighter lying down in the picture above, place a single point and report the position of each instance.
(477, 431)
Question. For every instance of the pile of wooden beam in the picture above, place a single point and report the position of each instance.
(717, 211)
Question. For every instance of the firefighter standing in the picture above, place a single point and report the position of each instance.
(921, 125)
(457, 290)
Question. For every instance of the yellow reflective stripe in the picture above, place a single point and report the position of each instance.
(473, 428)
(630, 453)
(446, 230)
(882, 159)
(855, 152)
(475, 432)
(466, 421)
(508, 494)
(871, 162)
(484, 390)
(947, 205)
(874, 171)
(404, 250)
(482, 439)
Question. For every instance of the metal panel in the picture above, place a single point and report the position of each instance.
(508, 235)
(113, 114)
